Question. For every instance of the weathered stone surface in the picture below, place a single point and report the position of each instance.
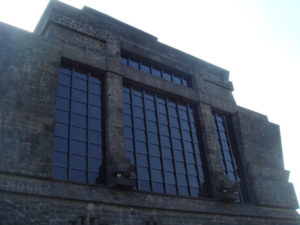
(29, 65)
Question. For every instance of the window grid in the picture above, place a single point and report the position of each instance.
(229, 165)
(154, 70)
(161, 140)
(78, 129)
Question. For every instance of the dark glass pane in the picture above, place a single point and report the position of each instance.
(65, 70)
(176, 79)
(63, 91)
(124, 60)
(174, 122)
(77, 162)
(171, 189)
(180, 167)
(78, 107)
(184, 82)
(133, 63)
(178, 156)
(139, 123)
(195, 192)
(166, 76)
(62, 116)
(61, 144)
(145, 68)
(141, 160)
(158, 187)
(94, 112)
(153, 138)
(95, 151)
(94, 100)
(183, 190)
(79, 73)
(77, 175)
(78, 147)
(61, 130)
(130, 155)
(154, 150)
(62, 103)
(79, 84)
(181, 180)
(141, 147)
(78, 120)
(188, 146)
(175, 133)
(126, 89)
(164, 130)
(155, 162)
(170, 178)
(60, 173)
(95, 124)
(186, 136)
(140, 135)
(183, 115)
(144, 185)
(168, 165)
(149, 95)
(95, 79)
(78, 133)
(94, 164)
(128, 132)
(137, 92)
(152, 126)
(127, 109)
(95, 137)
(126, 98)
(149, 105)
(137, 101)
(189, 157)
(167, 153)
(150, 115)
(161, 108)
(184, 125)
(227, 155)
(92, 177)
(177, 144)
(127, 120)
(156, 72)
(229, 166)
(157, 176)
(191, 169)
(162, 119)
(172, 112)
(138, 112)
(94, 88)
(64, 80)
(78, 95)
(193, 181)
(165, 141)
(60, 159)
(129, 144)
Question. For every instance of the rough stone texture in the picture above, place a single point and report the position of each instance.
(29, 64)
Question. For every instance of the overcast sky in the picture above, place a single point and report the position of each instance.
(258, 41)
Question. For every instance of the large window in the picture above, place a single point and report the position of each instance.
(225, 147)
(154, 70)
(78, 129)
(161, 139)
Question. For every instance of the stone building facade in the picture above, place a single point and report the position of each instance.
(102, 124)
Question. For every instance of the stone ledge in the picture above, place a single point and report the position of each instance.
(50, 188)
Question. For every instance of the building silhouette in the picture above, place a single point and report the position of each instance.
(102, 124)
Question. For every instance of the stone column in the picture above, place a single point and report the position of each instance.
(220, 184)
(119, 171)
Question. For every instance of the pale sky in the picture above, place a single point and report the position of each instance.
(258, 41)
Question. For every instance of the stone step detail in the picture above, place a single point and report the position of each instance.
(81, 220)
